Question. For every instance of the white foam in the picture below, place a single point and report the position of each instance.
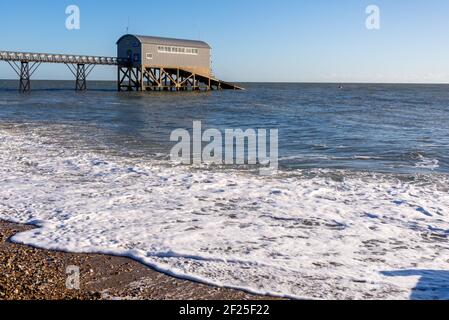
(427, 163)
(291, 235)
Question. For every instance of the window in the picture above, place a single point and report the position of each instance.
(178, 50)
(149, 56)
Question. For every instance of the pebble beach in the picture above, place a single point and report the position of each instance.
(28, 273)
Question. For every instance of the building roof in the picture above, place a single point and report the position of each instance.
(169, 41)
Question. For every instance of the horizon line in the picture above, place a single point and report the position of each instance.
(275, 82)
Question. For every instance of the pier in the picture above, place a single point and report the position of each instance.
(143, 64)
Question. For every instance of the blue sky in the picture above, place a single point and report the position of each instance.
(252, 40)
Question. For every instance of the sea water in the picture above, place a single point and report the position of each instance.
(358, 210)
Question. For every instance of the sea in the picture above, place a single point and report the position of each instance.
(359, 208)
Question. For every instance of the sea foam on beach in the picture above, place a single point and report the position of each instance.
(302, 234)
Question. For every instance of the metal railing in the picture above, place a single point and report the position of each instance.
(59, 58)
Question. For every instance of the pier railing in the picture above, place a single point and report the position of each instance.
(26, 63)
(59, 58)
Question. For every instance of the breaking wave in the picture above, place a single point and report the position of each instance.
(302, 234)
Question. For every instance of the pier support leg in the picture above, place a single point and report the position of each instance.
(25, 83)
(129, 79)
(81, 78)
(24, 71)
(81, 71)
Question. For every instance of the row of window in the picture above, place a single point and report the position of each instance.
(178, 50)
